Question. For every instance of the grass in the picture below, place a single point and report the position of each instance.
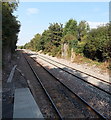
(103, 66)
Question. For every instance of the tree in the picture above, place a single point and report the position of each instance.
(83, 29)
(10, 28)
(45, 41)
(27, 46)
(96, 43)
(70, 40)
(55, 33)
(37, 42)
(70, 28)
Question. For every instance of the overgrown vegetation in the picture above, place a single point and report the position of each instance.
(10, 29)
(74, 38)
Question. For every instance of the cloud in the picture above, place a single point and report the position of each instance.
(32, 11)
(95, 24)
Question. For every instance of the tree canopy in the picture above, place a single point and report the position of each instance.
(83, 29)
(70, 28)
(91, 43)
(10, 27)
(96, 44)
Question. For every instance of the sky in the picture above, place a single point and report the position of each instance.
(36, 16)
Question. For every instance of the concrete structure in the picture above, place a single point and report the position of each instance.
(11, 74)
(25, 105)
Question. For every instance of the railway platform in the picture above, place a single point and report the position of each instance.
(25, 105)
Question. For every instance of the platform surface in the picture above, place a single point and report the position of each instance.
(25, 105)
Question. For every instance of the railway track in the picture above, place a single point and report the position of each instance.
(77, 70)
(98, 79)
(63, 99)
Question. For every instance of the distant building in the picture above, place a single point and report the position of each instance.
(110, 11)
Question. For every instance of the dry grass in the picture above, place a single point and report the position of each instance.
(103, 66)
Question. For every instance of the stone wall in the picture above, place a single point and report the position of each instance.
(65, 55)
(72, 55)
(65, 50)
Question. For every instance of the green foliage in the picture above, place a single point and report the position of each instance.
(20, 47)
(70, 40)
(10, 26)
(51, 38)
(56, 51)
(55, 33)
(49, 41)
(34, 44)
(45, 42)
(70, 28)
(80, 47)
(83, 29)
(67, 38)
(108, 44)
(94, 44)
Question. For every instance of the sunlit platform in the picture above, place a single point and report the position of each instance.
(25, 105)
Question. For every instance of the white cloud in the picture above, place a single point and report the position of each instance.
(32, 11)
(95, 24)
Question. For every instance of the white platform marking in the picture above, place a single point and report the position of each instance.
(11, 74)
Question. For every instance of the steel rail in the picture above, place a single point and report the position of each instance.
(77, 70)
(78, 77)
(56, 109)
(93, 109)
